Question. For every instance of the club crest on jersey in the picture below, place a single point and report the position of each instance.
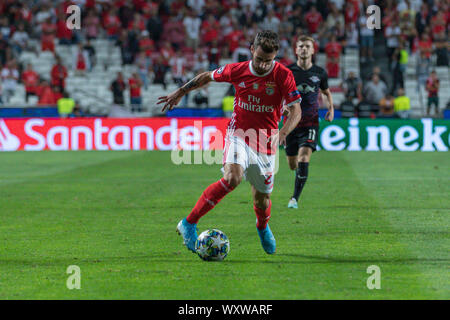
(315, 79)
(270, 90)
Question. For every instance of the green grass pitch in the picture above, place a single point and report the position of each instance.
(114, 214)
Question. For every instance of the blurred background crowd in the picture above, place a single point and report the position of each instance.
(128, 51)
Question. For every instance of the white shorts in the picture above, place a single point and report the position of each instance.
(259, 168)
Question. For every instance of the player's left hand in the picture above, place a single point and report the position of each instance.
(277, 139)
(330, 115)
(171, 100)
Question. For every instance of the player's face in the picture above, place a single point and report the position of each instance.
(262, 61)
(304, 49)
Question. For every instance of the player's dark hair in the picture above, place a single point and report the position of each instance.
(267, 40)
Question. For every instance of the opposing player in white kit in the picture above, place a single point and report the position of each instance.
(262, 85)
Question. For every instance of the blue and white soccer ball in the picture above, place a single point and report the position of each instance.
(212, 245)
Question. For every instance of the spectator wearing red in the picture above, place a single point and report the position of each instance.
(233, 38)
(64, 5)
(135, 85)
(387, 20)
(333, 48)
(148, 9)
(139, 4)
(30, 79)
(146, 44)
(313, 20)
(333, 51)
(351, 9)
(227, 5)
(58, 74)
(138, 23)
(63, 33)
(439, 23)
(210, 30)
(48, 35)
(25, 14)
(89, 4)
(176, 6)
(46, 94)
(112, 23)
(81, 60)
(425, 45)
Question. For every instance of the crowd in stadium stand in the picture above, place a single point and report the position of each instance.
(178, 36)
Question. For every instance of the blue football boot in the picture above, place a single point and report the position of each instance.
(267, 240)
(189, 233)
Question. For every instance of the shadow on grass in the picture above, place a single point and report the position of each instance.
(327, 259)
(283, 258)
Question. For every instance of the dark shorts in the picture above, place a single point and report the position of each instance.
(433, 100)
(301, 137)
(367, 41)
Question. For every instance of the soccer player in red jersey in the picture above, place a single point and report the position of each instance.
(262, 85)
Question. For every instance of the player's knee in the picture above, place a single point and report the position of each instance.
(303, 158)
(262, 202)
(233, 179)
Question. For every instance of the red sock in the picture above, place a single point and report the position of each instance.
(262, 216)
(209, 198)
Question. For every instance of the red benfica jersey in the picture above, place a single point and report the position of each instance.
(258, 101)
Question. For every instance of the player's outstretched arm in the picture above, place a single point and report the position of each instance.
(174, 98)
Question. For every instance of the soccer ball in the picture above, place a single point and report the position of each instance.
(212, 245)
